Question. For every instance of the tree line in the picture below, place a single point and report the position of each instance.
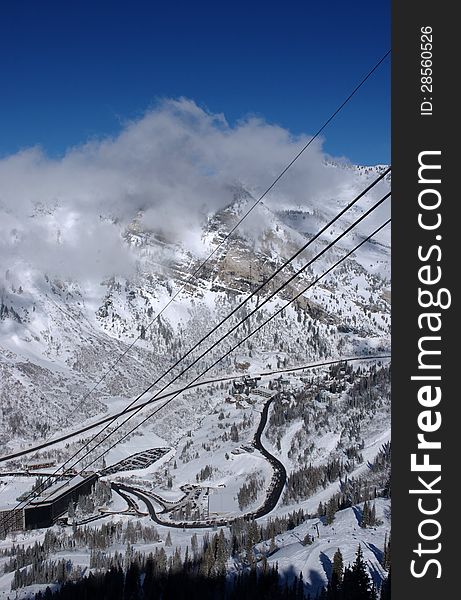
(158, 578)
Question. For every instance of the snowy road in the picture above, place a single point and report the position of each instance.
(115, 416)
(272, 498)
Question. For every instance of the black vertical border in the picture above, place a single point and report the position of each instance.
(411, 134)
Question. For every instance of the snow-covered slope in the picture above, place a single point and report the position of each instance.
(58, 337)
(329, 426)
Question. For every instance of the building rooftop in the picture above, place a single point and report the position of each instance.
(58, 489)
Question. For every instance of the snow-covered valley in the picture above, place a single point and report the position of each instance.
(75, 350)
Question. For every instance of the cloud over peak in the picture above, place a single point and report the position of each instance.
(175, 165)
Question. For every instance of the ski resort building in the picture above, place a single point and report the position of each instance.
(39, 464)
(54, 502)
(44, 510)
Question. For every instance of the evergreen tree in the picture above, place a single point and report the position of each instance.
(308, 540)
(17, 583)
(161, 560)
(373, 515)
(387, 553)
(356, 582)
(365, 520)
(207, 563)
(338, 566)
(221, 553)
(48, 594)
(132, 587)
(330, 511)
(176, 562)
(299, 590)
(194, 544)
(71, 510)
(386, 588)
(333, 591)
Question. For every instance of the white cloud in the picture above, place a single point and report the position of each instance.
(176, 164)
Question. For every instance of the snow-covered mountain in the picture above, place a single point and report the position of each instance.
(70, 354)
(59, 336)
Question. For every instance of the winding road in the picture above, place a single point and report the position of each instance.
(278, 480)
(277, 485)
(115, 416)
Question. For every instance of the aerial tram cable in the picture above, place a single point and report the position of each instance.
(198, 269)
(236, 326)
(25, 502)
(247, 337)
(361, 218)
(254, 293)
(216, 327)
(52, 442)
(226, 237)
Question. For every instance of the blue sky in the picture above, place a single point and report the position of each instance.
(73, 71)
